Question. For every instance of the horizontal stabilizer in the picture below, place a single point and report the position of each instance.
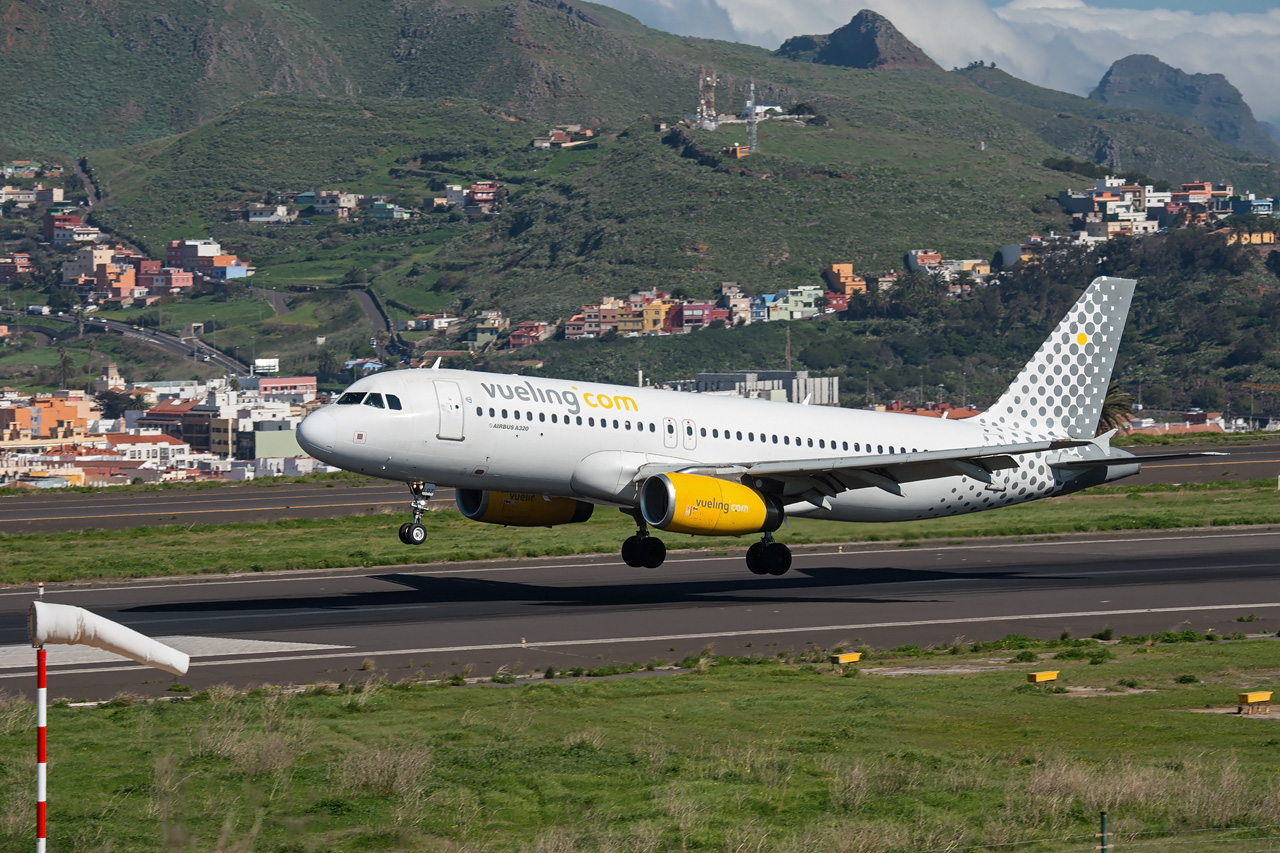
(1081, 464)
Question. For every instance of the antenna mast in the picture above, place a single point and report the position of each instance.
(752, 144)
(706, 119)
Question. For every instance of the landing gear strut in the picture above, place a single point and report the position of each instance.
(767, 557)
(412, 532)
(643, 549)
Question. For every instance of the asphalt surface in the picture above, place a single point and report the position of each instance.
(111, 509)
(32, 512)
(523, 614)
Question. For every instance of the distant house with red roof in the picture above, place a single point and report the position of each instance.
(159, 448)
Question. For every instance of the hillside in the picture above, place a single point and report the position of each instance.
(1122, 138)
(1144, 82)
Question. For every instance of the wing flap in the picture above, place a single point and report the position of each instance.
(1109, 461)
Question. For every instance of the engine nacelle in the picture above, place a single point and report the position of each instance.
(706, 506)
(519, 510)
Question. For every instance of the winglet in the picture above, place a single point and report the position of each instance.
(436, 366)
(807, 398)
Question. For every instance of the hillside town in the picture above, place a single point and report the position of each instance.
(234, 428)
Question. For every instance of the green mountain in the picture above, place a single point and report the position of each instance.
(1122, 138)
(1144, 82)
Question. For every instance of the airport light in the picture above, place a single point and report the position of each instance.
(67, 625)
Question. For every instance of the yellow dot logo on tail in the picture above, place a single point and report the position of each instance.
(1082, 339)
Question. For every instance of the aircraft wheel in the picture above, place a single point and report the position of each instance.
(652, 552)
(631, 551)
(404, 532)
(755, 560)
(777, 557)
(416, 534)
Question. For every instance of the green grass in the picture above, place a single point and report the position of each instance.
(778, 753)
(370, 540)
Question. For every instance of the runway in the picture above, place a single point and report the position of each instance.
(230, 503)
(223, 503)
(342, 625)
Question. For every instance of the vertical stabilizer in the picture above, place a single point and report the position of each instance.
(1060, 391)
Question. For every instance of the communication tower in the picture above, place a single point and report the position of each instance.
(752, 144)
(706, 119)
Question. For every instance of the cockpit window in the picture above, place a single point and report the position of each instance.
(393, 402)
(374, 400)
(351, 398)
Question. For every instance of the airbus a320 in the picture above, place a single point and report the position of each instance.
(541, 452)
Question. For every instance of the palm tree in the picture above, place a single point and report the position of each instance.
(66, 365)
(1116, 408)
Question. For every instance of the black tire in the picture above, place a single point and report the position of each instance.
(416, 533)
(631, 551)
(652, 552)
(755, 560)
(404, 532)
(777, 557)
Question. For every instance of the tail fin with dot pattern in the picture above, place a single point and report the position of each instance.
(1059, 393)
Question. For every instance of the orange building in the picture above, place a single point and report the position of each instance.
(840, 278)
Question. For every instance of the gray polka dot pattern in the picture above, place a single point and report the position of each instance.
(1060, 391)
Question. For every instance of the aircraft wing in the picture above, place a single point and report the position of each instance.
(815, 480)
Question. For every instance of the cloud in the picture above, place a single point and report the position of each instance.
(1062, 44)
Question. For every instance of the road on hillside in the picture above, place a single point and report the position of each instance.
(185, 348)
(420, 621)
(44, 512)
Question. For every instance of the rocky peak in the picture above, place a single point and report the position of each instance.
(867, 41)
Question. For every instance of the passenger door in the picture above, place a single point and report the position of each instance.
(690, 435)
(449, 399)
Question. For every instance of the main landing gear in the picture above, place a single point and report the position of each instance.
(412, 532)
(767, 557)
(643, 549)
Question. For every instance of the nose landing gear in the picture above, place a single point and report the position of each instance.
(643, 549)
(767, 557)
(412, 532)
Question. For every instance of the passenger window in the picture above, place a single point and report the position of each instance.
(615, 424)
(553, 419)
(786, 439)
(775, 439)
(517, 414)
(374, 400)
(604, 423)
(879, 448)
(590, 421)
(652, 427)
(393, 402)
(822, 442)
(670, 429)
(504, 414)
(491, 413)
(627, 425)
(703, 432)
(845, 445)
(579, 420)
(856, 447)
(751, 436)
(715, 433)
(479, 411)
(528, 415)
(688, 430)
(542, 417)
(351, 398)
(811, 442)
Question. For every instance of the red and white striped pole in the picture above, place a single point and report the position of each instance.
(41, 756)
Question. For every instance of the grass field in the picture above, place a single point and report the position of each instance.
(370, 540)
(777, 753)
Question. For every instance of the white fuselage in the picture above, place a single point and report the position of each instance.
(584, 440)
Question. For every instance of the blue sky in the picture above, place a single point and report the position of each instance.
(1063, 44)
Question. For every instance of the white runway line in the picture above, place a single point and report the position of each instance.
(14, 657)
(709, 635)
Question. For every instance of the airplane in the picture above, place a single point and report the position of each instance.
(525, 451)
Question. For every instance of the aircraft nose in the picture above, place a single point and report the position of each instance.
(318, 432)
